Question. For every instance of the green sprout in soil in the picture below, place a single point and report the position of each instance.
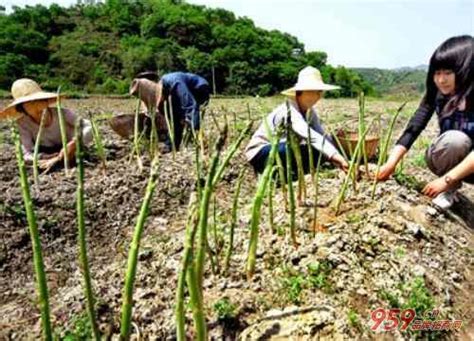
(353, 318)
(225, 309)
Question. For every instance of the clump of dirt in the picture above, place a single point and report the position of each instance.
(394, 250)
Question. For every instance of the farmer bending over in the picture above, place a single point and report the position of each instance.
(449, 93)
(29, 104)
(185, 91)
(301, 98)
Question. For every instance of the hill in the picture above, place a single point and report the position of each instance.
(100, 47)
(406, 80)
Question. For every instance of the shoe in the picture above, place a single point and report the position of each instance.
(446, 199)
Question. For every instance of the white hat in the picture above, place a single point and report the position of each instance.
(309, 79)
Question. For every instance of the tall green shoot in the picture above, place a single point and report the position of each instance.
(80, 209)
(62, 128)
(40, 273)
(127, 304)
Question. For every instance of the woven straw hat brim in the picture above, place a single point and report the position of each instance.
(314, 87)
(11, 112)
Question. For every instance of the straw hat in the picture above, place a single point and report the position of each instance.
(148, 91)
(26, 90)
(309, 79)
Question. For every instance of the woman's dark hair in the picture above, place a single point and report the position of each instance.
(455, 54)
(21, 109)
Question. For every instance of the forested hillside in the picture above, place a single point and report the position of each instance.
(99, 48)
(403, 81)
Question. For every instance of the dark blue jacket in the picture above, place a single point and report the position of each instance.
(188, 91)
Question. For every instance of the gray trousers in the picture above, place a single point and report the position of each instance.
(447, 151)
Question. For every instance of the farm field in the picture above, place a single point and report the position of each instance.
(393, 250)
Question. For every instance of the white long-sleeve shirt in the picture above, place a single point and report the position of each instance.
(51, 135)
(299, 125)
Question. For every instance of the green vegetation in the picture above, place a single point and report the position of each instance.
(413, 295)
(293, 282)
(318, 275)
(132, 264)
(353, 319)
(293, 286)
(42, 284)
(408, 81)
(99, 48)
(409, 181)
(80, 329)
(81, 226)
(225, 309)
(400, 252)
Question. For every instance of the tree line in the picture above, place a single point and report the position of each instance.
(98, 48)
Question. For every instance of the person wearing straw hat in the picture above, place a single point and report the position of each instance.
(301, 100)
(186, 92)
(29, 105)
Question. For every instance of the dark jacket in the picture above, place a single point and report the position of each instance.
(462, 120)
(188, 91)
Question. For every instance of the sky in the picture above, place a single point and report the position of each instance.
(354, 33)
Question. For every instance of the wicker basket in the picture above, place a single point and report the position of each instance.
(349, 141)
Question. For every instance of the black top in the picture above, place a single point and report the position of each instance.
(458, 120)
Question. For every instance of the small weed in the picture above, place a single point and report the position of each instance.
(280, 231)
(414, 295)
(409, 181)
(80, 329)
(373, 241)
(16, 211)
(327, 173)
(293, 284)
(353, 318)
(400, 252)
(392, 299)
(318, 274)
(225, 309)
(294, 287)
(317, 277)
(354, 218)
(419, 161)
(419, 297)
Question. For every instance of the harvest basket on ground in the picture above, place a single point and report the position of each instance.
(349, 139)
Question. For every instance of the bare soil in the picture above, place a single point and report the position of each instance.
(373, 247)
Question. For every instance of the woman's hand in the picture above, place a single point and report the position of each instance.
(48, 163)
(340, 162)
(389, 167)
(435, 187)
(385, 172)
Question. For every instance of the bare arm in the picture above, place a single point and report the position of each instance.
(462, 170)
(389, 167)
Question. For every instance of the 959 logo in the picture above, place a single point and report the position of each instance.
(403, 319)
